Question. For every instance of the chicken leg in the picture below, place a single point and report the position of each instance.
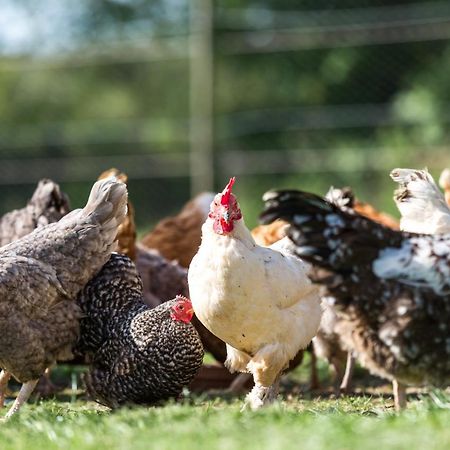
(399, 395)
(24, 394)
(261, 395)
(347, 379)
(4, 378)
(314, 375)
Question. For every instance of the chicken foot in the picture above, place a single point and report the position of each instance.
(4, 378)
(24, 394)
(261, 395)
(399, 395)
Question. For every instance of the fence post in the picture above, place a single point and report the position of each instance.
(201, 130)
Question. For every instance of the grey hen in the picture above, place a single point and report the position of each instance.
(47, 205)
(40, 277)
(136, 354)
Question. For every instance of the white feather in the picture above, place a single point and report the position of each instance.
(420, 261)
(422, 205)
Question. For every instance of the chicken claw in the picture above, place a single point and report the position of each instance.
(24, 393)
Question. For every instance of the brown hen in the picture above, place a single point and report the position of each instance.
(164, 254)
(47, 205)
(178, 237)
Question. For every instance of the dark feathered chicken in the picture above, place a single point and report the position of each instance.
(137, 354)
(391, 287)
(40, 277)
(47, 205)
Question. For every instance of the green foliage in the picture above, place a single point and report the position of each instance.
(87, 84)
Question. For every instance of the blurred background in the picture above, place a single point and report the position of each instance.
(182, 94)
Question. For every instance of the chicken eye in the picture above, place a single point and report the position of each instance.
(180, 307)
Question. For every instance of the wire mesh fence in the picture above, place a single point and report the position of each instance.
(182, 94)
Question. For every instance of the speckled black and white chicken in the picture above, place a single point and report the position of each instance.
(47, 205)
(136, 354)
(40, 277)
(392, 287)
(328, 343)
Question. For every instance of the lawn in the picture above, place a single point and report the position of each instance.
(306, 422)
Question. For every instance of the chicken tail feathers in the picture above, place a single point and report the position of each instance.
(337, 240)
(341, 197)
(417, 197)
(414, 184)
(47, 195)
(107, 205)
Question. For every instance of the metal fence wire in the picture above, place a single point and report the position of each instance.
(182, 94)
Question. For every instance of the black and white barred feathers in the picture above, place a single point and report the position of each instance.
(136, 354)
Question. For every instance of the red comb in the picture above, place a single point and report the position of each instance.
(182, 298)
(227, 191)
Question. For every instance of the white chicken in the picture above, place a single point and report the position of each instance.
(258, 300)
(421, 203)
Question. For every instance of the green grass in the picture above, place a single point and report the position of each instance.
(301, 420)
(355, 422)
